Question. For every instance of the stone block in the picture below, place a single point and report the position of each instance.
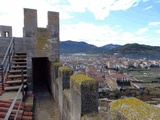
(55, 66)
(65, 73)
(84, 95)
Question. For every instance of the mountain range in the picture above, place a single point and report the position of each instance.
(135, 50)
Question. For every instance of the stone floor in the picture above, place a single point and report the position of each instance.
(44, 105)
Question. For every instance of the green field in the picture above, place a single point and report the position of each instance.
(146, 75)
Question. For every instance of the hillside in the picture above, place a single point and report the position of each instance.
(129, 50)
(79, 47)
(137, 51)
(111, 46)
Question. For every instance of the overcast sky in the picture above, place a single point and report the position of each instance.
(97, 22)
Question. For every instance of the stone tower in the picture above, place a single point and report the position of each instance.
(45, 40)
(41, 44)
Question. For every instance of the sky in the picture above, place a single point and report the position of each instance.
(97, 22)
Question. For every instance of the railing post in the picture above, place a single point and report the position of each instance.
(13, 46)
(2, 75)
(9, 58)
(22, 84)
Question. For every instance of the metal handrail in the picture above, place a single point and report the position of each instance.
(15, 99)
(6, 62)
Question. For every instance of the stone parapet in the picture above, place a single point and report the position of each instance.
(64, 73)
(84, 95)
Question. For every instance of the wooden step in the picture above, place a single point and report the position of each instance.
(19, 56)
(19, 63)
(19, 53)
(18, 67)
(17, 71)
(19, 59)
(13, 88)
(17, 76)
(16, 81)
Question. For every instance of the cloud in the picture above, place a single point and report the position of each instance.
(158, 31)
(147, 8)
(141, 31)
(98, 35)
(154, 23)
(93, 34)
(100, 9)
(145, 0)
(157, 1)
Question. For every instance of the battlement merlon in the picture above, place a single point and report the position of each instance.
(84, 95)
(64, 73)
(5, 31)
(79, 80)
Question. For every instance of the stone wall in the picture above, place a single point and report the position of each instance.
(30, 23)
(76, 95)
(5, 31)
(4, 42)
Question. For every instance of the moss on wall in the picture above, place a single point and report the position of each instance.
(132, 108)
(81, 79)
(65, 68)
(43, 39)
(92, 116)
(56, 64)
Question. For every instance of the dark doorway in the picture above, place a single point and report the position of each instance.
(41, 72)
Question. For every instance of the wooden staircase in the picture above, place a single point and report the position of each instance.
(14, 80)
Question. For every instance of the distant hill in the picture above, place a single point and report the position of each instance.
(111, 46)
(129, 50)
(79, 47)
(137, 51)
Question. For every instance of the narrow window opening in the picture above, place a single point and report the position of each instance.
(6, 34)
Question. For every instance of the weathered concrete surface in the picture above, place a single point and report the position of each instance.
(10, 96)
(44, 105)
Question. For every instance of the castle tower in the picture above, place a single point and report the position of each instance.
(30, 22)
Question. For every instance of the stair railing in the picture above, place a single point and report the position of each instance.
(21, 89)
(6, 62)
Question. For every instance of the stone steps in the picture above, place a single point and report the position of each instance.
(19, 67)
(16, 81)
(17, 71)
(19, 56)
(20, 53)
(19, 63)
(12, 84)
(19, 59)
(10, 88)
(17, 76)
(4, 107)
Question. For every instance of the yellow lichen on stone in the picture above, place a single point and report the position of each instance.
(65, 68)
(81, 79)
(56, 64)
(93, 116)
(42, 39)
(134, 109)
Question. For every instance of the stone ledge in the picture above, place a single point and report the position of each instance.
(79, 81)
